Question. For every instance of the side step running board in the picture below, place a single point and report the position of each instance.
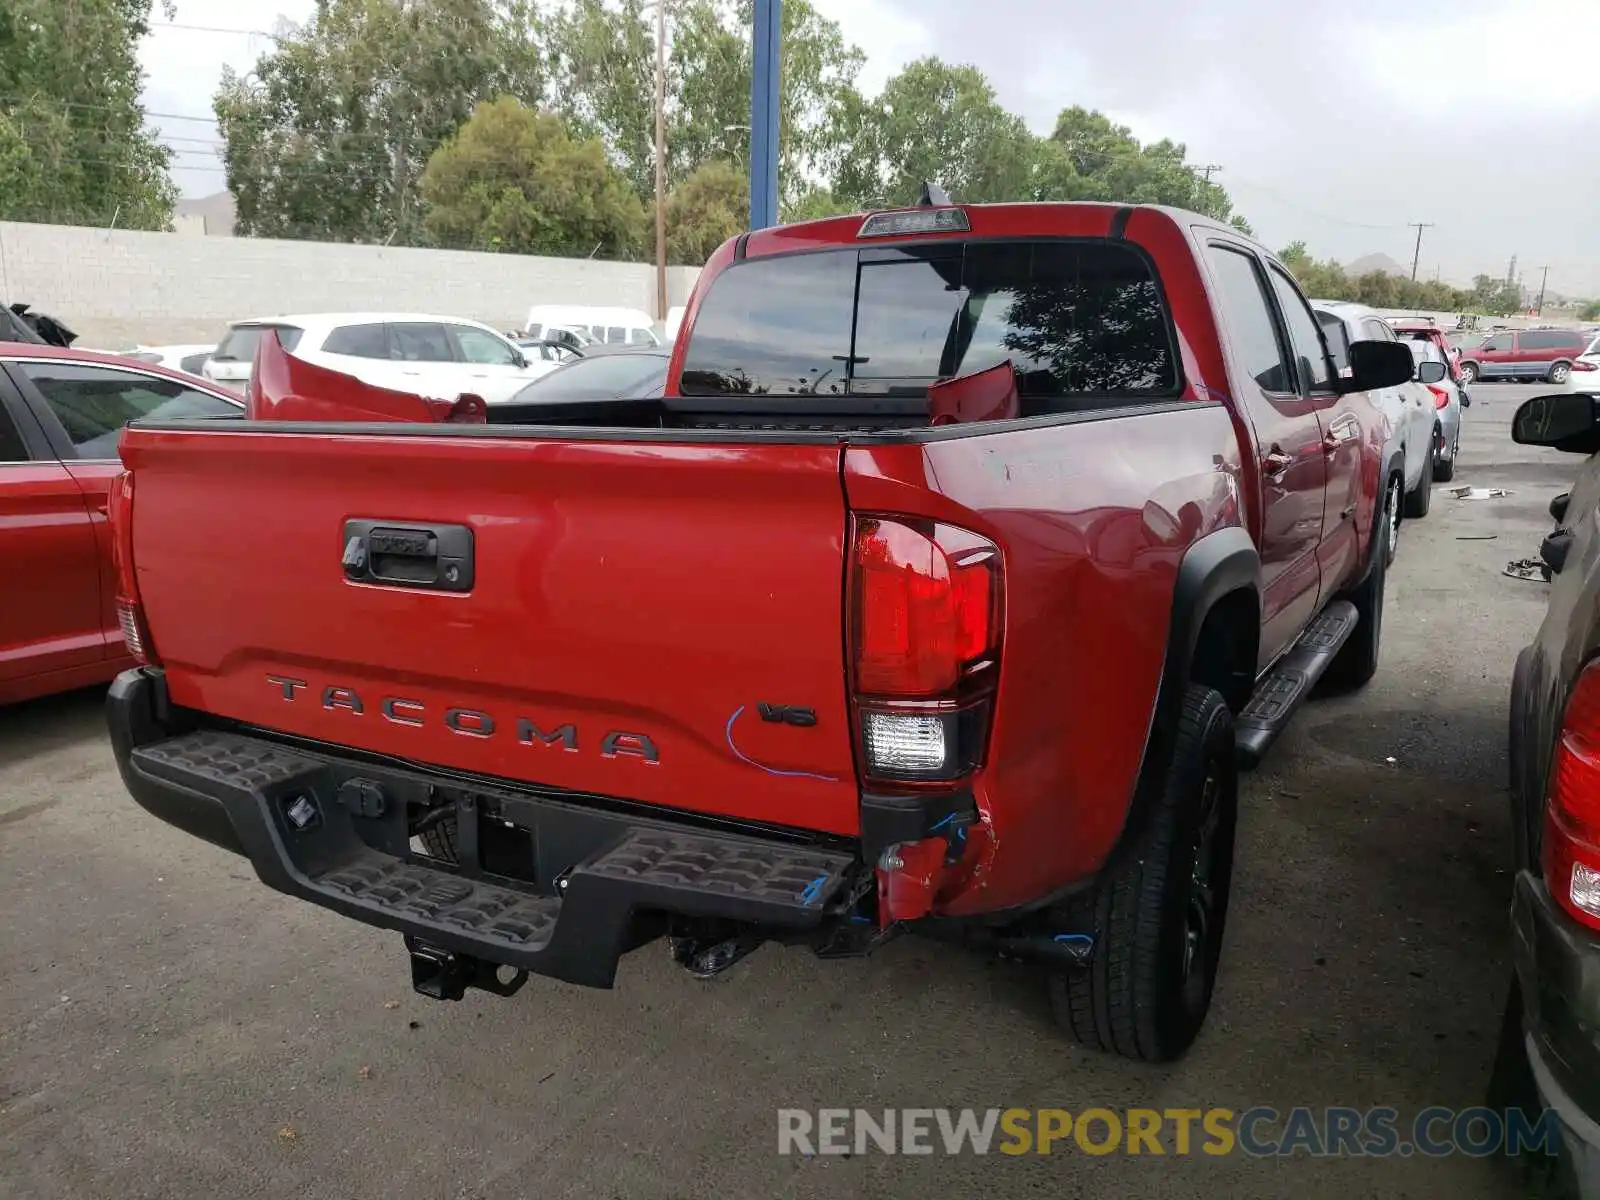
(1280, 694)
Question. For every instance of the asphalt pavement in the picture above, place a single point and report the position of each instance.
(170, 1028)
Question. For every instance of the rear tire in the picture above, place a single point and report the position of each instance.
(1444, 469)
(1158, 914)
(1358, 657)
(1559, 373)
(1418, 502)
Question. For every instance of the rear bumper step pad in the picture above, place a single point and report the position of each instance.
(214, 783)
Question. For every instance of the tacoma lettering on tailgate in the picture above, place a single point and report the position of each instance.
(473, 722)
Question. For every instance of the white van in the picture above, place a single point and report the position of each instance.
(612, 326)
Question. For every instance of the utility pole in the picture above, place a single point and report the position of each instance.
(1416, 257)
(1208, 169)
(765, 75)
(1543, 279)
(661, 160)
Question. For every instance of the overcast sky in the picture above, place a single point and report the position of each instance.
(1337, 125)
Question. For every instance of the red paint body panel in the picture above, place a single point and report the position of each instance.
(648, 589)
(666, 587)
(51, 617)
(58, 629)
(1092, 521)
(286, 388)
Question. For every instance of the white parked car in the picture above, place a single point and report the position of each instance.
(1409, 407)
(409, 352)
(1585, 373)
(191, 359)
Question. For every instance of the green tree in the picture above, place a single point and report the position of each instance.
(603, 80)
(512, 179)
(328, 137)
(1108, 163)
(705, 210)
(1590, 311)
(73, 147)
(940, 123)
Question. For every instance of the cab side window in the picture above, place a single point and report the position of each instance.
(1315, 371)
(1249, 316)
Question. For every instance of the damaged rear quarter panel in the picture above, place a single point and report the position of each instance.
(1092, 518)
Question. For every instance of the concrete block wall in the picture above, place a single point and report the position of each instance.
(117, 288)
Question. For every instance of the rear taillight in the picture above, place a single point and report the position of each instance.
(925, 620)
(1572, 815)
(130, 613)
(1581, 365)
(1441, 398)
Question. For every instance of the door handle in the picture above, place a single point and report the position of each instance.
(1277, 463)
(435, 558)
(1331, 444)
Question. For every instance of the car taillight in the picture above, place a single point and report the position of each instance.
(1572, 815)
(1441, 398)
(925, 620)
(130, 613)
(1582, 365)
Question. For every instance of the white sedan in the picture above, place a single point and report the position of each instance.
(409, 352)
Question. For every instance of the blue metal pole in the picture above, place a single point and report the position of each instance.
(765, 87)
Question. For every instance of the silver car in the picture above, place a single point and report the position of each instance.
(1408, 407)
(1449, 398)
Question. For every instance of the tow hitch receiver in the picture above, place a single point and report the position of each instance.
(445, 975)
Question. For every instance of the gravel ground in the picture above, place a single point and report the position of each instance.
(170, 1028)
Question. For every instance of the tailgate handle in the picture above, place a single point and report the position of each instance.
(437, 558)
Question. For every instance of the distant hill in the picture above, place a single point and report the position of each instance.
(1376, 262)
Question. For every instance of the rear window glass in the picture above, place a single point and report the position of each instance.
(1075, 318)
(239, 345)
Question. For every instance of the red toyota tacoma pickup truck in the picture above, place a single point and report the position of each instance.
(970, 552)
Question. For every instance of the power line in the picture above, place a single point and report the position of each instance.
(157, 25)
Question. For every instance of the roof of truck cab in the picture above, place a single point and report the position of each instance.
(844, 230)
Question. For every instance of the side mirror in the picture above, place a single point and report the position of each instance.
(1375, 365)
(1564, 422)
(1430, 372)
(520, 359)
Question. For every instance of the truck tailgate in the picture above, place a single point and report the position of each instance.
(642, 618)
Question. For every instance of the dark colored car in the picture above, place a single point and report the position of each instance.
(1524, 354)
(1555, 794)
(966, 556)
(61, 413)
(621, 374)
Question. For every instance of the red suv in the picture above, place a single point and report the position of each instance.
(1526, 354)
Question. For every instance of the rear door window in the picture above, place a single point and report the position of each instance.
(1075, 319)
(93, 403)
(419, 341)
(12, 449)
(357, 341)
